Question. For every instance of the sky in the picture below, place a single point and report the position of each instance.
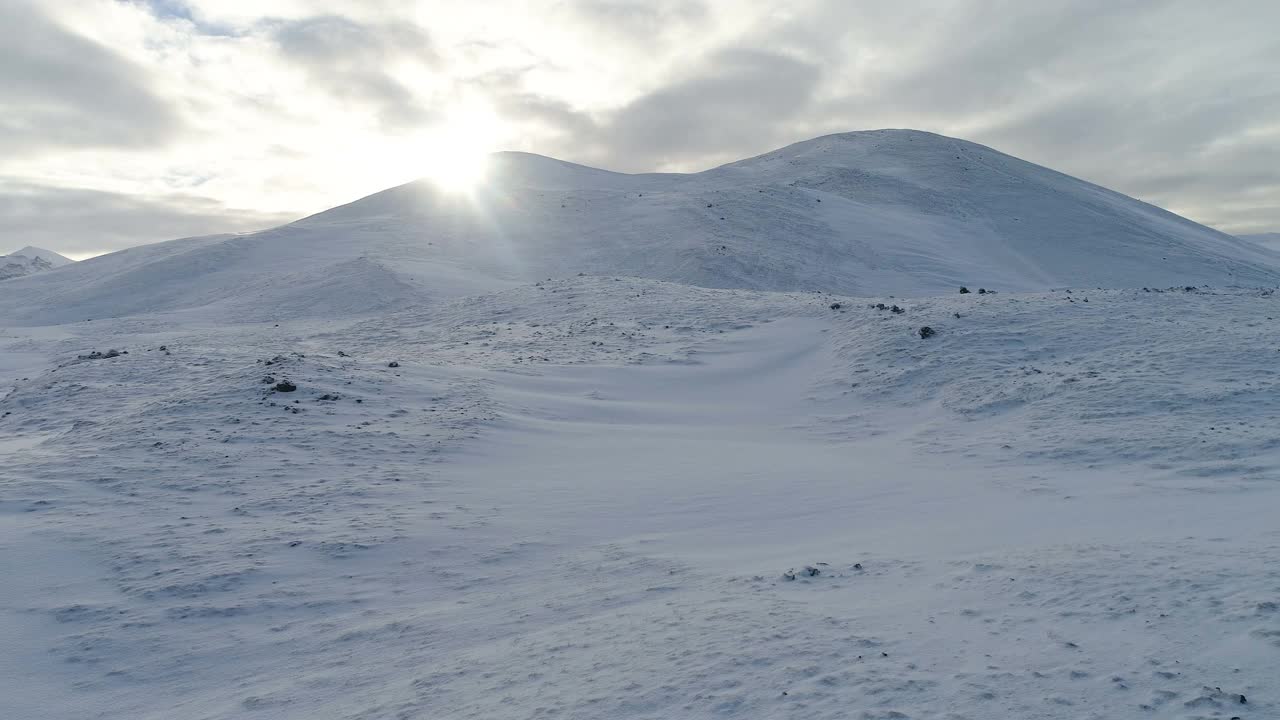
(124, 122)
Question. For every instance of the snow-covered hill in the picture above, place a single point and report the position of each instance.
(881, 212)
(30, 260)
(1270, 241)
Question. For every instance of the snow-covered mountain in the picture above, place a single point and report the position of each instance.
(868, 213)
(30, 260)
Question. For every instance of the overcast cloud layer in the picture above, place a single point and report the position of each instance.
(131, 121)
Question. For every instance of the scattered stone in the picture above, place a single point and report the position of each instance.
(926, 332)
(393, 363)
(812, 571)
(285, 386)
(836, 306)
(96, 355)
(964, 290)
(268, 379)
(897, 309)
(982, 291)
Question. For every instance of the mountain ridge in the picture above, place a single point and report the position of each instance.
(870, 213)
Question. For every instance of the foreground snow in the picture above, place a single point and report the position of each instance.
(582, 499)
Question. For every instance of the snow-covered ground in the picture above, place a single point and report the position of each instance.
(585, 498)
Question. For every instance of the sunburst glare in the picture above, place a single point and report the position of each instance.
(457, 149)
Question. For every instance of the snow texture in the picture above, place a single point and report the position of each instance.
(624, 497)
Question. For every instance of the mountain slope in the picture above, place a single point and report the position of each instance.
(30, 260)
(869, 213)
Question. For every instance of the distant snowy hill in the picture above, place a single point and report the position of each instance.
(1270, 241)
(869, 213)
(30, 260)
(48, 256)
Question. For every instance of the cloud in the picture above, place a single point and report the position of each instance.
(350, 60)
(641, 21)
(737, 98)
(79, 222)
(60, 90)
(309, 103)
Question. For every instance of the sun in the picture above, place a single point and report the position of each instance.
(456, 152)
(458, 165)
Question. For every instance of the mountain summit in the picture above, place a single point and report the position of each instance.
(866, 213)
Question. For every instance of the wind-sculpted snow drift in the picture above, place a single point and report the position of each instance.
(889, 212)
